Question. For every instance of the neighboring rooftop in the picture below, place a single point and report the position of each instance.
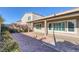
(34, 13)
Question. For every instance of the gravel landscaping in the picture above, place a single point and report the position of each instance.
(29, 44)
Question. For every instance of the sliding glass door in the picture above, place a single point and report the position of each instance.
(71, 26)
(68, 26)
(60, 26)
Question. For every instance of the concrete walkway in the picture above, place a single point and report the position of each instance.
(29, 44)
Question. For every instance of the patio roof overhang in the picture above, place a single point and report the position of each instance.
(68, 14)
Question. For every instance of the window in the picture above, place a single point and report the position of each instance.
(50, 26)
(70, 26)
(29, 18)
(59, 26)
(38, 26)
(62, 26)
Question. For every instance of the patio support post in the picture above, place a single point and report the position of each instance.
(66, 26)
(32, 26)
(45, 25)
(28, 29)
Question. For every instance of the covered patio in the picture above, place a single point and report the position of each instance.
(56, 37)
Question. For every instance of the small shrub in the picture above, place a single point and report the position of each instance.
(8, 44)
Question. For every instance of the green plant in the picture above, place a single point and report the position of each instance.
(8, 44)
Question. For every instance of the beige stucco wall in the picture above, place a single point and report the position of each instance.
(38, 30)
(32, 15)
(78, 26)
(36, 17)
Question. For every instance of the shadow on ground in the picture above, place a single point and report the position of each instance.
(31, 44)
(65, 46)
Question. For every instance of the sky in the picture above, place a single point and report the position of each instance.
(13, 14)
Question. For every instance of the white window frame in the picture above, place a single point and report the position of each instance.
(48, 25)
(75, 25)
(38, 24)
(56, 22)
(66, 29)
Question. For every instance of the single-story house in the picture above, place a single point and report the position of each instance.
(65, 23)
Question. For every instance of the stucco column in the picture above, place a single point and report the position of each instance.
(66, 29)
(32, 26)
(28, 27)
(46, 29)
